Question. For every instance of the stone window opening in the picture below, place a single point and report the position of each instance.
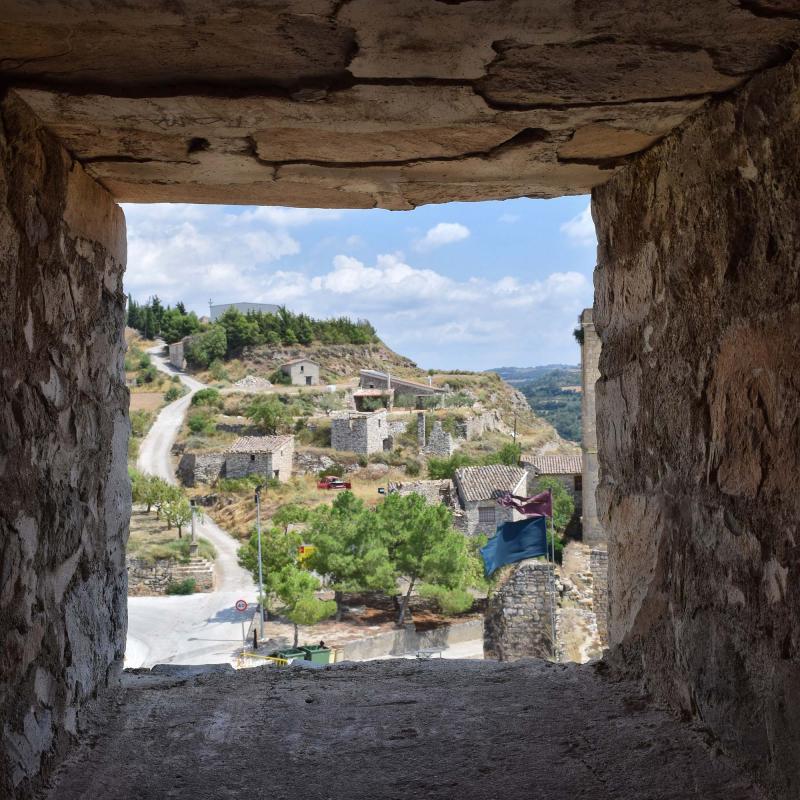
(486, 515)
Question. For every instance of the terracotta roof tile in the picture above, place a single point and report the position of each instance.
(555, 464)
(259, 444)
(484, 483)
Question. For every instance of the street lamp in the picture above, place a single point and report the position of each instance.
(193, 541)
(260, 572)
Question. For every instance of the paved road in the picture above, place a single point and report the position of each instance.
(198, 628)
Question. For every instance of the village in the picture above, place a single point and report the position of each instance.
(302, 425)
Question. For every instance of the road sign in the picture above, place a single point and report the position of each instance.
(241, 605)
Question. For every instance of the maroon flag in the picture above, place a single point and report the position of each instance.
(540, 505)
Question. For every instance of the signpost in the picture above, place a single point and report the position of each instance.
(241, 605)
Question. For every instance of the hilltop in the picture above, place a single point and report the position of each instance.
(553, 392)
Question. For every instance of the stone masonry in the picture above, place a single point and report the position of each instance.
(200, 468)
(63, 446)
(268, 456)
(149, 579)
(357, 432)
(698, 412)
(598, 561)
(590, 372)
(519, 615)
(440, 442)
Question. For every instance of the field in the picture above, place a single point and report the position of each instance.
(151, 540)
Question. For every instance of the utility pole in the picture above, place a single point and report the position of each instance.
(515, 427)
(260, 573)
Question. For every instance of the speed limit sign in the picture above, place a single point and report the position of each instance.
(241, 605)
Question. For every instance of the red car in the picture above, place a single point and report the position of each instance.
(332, 482)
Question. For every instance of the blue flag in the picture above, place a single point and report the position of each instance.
(514, 541)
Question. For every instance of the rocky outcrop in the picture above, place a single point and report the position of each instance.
(63, 446)
(698, 307)
(363, 103)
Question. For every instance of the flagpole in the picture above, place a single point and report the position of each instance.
(553, 585)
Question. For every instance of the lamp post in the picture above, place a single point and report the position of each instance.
(193, 541)
(260, 572)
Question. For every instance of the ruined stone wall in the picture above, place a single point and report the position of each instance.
(147, 579)
(475, 427)
(200, 468)
(519, 615)
(598, 565)
(440, 442)
(63, 446)
(359, 433)
(698, 307)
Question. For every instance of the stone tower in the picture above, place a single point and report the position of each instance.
(593, 533)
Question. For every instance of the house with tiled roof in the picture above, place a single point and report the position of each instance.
(268, 456)
(478, 489)
(565, 468)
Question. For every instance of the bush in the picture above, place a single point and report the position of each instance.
(144, 361)
(186, 586)
(218, 371)
(207, 397)
(140, 422)
(412, 468)
(173, 393)
(450, 601)
(146, 374)
(280, 378)
(443, 468)
(334, 469)
(201, 422)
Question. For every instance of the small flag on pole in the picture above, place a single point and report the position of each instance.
(515, 541)
(539, 505)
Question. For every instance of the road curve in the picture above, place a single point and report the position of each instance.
(198, 628)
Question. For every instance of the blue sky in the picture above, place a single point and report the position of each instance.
(460, 285)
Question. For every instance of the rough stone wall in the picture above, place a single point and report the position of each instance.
(472, 524)
(698, 307)
(598, 565)
(519, 615)
(475, 427)
(203, 468)
(359, 433)
(590, 372)
(63, 447)
(440, 442)
(176, 355)
(146, 579)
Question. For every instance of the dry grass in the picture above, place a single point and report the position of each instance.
(236, 514)
(151, 540)
(146, 401)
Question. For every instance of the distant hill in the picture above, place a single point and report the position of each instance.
(553, 392)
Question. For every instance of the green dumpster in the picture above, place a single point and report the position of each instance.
(292, 654)
(316, 654)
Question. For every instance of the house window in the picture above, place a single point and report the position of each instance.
(301, 368)
(486, 516)
(252, 458)
(578, 483)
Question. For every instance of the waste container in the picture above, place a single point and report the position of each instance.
(317, 654)
(290, 654)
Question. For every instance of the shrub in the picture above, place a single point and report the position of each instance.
(200, 422)
(280, 378)
(140, 422)
(442, 468)
(207, 397)
(173, 393)
(218, 371)
(450, 601)
(144, 361)
(412, 468)
(186, 586)
(147, 374)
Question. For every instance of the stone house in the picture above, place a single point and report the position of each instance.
(567, 469)
(302, 371)
(478, 489)
(360, 432)
(270, 456)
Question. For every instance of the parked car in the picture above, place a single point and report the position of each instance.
(333, 482)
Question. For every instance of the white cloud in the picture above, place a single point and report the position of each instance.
(580, 229)
(288, 217)
(508, 219)
(443, 233)
(195, 254)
